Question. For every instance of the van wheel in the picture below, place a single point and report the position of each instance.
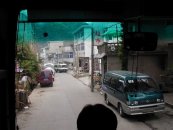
(107, 100)
(120, 110)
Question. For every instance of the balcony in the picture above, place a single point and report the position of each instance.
(109, 48)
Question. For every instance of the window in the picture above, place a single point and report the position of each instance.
(107, 79)
(117, 84)
(141, 84)
(120, 85)
(81, 33)
(109, 37)
(78, 47)
(113, 83)
(60, 56)
(71, 55)
(82, 46)
(65, 55)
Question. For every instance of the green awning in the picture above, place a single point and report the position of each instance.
(113, 32)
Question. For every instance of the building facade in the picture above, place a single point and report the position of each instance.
(68, 54)
(110, 47)
(59, 52)
(157, 62)
(82, 48)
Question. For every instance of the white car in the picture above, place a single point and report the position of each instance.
(49, 65)
(61, 67)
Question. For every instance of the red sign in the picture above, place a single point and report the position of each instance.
(97, 38)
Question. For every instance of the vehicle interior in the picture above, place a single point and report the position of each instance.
(125, 11)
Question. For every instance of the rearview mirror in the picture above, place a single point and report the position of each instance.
(140, 41)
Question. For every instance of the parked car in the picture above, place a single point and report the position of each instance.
(49, 65)
(51, 69)
(132, 93)
(45, 78)
(62, 67)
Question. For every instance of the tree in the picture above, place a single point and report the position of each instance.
(27, 59)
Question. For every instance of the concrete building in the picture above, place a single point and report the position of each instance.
(59, 51)
(108, 50)
(82, 48)
(154, 63)
(55, 49)
(43, 54)
(68, 53)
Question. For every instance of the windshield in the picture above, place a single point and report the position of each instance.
(140, 84)
(45, 74)
(82, 49)
(62, 66)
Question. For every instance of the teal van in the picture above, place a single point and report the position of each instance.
(132, 93)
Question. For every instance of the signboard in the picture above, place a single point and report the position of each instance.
(97, 37)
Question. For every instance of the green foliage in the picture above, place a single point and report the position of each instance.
(27, 59)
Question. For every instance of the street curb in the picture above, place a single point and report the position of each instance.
(83, 82)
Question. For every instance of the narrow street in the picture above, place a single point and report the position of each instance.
(57, 108)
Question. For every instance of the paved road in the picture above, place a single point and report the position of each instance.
(57, 108)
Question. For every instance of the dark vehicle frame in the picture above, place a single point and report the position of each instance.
(116, 10)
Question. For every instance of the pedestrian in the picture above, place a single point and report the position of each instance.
(96, 117)
(23, 80)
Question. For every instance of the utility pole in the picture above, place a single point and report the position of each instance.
(117, 33)
(62, 48)
(76, 62)
(92, 59)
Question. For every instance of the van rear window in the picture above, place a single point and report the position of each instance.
(45, 74)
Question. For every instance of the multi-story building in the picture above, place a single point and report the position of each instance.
(109, 48)
(55, 49)
(43, 54)
(82, 48)
(68, 56)
(60, 51)
(156, 62)
(153, 63)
